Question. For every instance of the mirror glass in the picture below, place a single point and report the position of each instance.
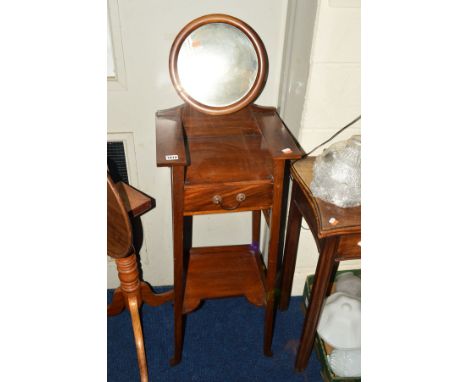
(217, 64)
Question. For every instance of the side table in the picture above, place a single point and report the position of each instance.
(125, 202)
(337, 233)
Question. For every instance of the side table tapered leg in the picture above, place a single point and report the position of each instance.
(325, 266)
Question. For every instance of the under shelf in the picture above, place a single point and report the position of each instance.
(224, 271)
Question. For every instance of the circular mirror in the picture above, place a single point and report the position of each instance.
(218, 64)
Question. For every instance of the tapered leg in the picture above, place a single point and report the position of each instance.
(178, 240)
(332, 277)
(256, 217)
(320, 285)
(273, 249)
(290, 249)
(117, 304)
(138, 334)
(269, 323)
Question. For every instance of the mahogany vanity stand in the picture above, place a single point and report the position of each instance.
(225, 163)
(336, 240)
(123, 202)
(227, 158)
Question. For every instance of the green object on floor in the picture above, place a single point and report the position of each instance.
(310, 279)
(326, 371)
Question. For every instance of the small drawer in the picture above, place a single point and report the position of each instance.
(225, 198)
(350, 246)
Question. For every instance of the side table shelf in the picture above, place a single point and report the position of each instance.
(224, 271)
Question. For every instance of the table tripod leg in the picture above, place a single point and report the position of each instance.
(117, 304)
(154, 299)
(138, 333)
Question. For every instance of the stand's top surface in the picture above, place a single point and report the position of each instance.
(347, 220)
(227, 160)
(225, 149)
(237, 147)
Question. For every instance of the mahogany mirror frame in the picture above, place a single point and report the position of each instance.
(262, 59)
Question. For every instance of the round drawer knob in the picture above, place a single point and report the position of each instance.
(217, 199)
(240, 197)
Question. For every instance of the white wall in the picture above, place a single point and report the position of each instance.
(143, 32)
(300, 25)
(332, 96)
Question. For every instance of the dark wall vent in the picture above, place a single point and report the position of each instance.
(116, 161)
